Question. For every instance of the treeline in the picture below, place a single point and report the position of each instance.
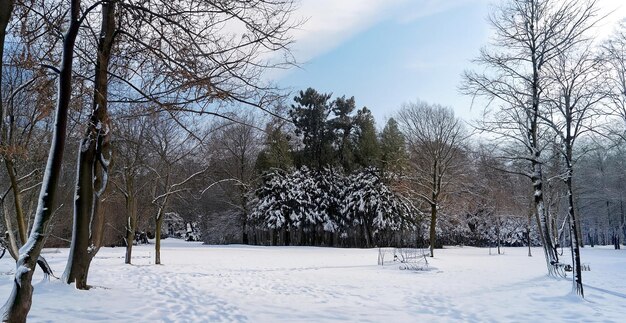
(331, 178)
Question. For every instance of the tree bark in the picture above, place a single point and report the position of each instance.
(91, 180)
(17, 200)
(157, 238)
(433, 231)
(18, 304)
(530, 218)
(131, 225)
(159, 225)
(573, 221)
(578, 279)
(542, 217)
(13, 244)
(433, 206)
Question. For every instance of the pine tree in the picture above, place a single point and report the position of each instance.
(310, 116)
(277, 152)
(343, 125)
(371, 205)
(367, 147)
(393, 149)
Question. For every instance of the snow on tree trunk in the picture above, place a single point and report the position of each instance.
(575, 245)
(544, 222)
(91, 178)
(18, 304)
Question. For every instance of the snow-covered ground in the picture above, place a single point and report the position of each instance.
(267, 284)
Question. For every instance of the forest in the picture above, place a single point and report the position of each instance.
(126, 120)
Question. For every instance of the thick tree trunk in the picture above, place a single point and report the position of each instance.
(91, 178)
(80, 253)
(18, 305)
(544, 222)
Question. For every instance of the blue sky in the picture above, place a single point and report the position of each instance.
(386, 53)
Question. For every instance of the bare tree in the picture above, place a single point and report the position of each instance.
(529, 34)
(93, 162)
(238, 146)
(172, 147)
(129, 149)
(614, 52)
(577, 91)
(21, 148)
(18, 304)
(435, 140)
(178, 57)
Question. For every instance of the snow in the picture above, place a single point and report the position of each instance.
(199, 283)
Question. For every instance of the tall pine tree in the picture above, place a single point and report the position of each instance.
(367, 146)
(393, 148)
(310, 116)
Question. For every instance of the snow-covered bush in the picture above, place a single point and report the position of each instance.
(327, 202)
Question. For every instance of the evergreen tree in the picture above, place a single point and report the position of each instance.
(367, 147)
(310, 116)
(343, 125)
(370, 204)
(277, 152)
(328, 198)
(393, 149)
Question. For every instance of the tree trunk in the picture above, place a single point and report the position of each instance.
(530, 217)
(159, 226)
(18, 304)
(543, 219)
(578, 279)
(17, 200)
(91, 178)
(579, 233)
(433, 232)
(498, 236)
(157, 240)
(131, 225)
(13, 244)
(367, 231)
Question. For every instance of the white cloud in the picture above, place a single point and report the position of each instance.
(329, 23)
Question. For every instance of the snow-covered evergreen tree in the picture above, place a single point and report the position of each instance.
(327, 198)
(370, 204)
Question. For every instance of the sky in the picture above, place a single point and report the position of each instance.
(389, 52)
